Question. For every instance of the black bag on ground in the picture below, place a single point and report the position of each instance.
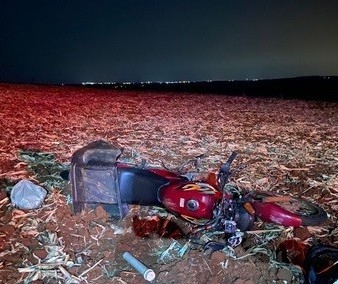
(321, 265)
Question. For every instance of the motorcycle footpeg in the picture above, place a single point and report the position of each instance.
(213, 246)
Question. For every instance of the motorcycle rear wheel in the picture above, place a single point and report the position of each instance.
(309, 213)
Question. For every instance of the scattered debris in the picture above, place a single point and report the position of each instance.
(174, 251)
(44, 167)
(54, 265)
(27, 195)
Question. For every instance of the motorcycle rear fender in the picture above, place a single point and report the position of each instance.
(271, 212)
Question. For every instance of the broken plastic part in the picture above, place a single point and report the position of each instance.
(147, 273)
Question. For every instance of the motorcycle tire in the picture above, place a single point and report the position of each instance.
(316, 218)
(295, 212)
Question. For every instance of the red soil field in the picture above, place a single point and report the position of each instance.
(286, 146)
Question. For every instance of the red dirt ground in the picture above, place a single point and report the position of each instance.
(287, 146)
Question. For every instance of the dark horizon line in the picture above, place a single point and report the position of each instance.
(85, 83)
(210, 80)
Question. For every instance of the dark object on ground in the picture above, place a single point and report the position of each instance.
(321, 265)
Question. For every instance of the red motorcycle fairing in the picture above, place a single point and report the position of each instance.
(194, 201)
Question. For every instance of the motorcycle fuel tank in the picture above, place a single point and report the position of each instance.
(193, 201)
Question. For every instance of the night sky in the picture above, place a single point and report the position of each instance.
(156, 40)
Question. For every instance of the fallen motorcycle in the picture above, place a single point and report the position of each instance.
(210, 203)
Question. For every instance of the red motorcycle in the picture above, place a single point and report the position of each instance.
(209, 202)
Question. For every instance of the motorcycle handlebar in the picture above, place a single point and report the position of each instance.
(224, 171)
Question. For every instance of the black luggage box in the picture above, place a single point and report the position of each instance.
(94, 180)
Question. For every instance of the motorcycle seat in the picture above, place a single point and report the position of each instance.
(139, 186)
